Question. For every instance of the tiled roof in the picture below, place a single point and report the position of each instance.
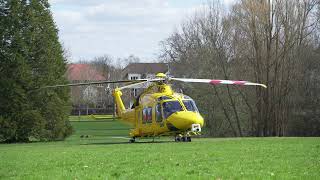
(83, 72)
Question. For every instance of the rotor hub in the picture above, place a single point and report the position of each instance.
(161, 75)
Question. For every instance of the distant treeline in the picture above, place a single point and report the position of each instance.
(266, 41)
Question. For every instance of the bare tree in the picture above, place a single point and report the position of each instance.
(263, 41)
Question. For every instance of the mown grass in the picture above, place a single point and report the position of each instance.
(91, 117)
(103, 155)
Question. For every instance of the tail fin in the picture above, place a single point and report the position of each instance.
(119, 103)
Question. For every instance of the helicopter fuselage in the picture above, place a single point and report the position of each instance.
(160, 111)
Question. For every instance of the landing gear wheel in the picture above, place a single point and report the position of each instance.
(132, 140)
(183, 139)
(189, 139)
(177, 139)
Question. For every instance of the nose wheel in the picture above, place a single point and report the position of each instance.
(182, 139)
(189, 139)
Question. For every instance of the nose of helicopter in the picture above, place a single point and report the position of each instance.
(183, 120)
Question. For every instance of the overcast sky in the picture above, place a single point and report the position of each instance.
(90, 28)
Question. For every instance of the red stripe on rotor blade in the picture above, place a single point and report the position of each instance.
(239, 82)
(215, 82)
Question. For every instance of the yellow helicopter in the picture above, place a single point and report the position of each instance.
(158, 110)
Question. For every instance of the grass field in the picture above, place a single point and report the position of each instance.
(102, 155)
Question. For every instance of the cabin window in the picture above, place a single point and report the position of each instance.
(144, 115)
(170, 107)
(147, 115)
(190, 105)
(158, 113)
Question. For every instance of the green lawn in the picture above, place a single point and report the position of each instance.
(91, 117)
(104, 155)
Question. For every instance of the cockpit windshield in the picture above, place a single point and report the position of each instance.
(170, 107)
(190, 105)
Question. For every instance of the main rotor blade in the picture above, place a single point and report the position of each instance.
(217, 81)
(96, 82)
(143, 84)
(135, 85)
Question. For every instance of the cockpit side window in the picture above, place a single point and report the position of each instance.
(170, 107)
(190, 105)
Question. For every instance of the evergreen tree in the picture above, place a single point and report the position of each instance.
(30, 57)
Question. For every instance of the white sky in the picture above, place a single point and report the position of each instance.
(90, 28)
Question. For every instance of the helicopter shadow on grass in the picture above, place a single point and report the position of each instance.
(137, 142)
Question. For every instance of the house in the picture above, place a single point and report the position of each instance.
(143, 70)
(91, 99)
(82, 73)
